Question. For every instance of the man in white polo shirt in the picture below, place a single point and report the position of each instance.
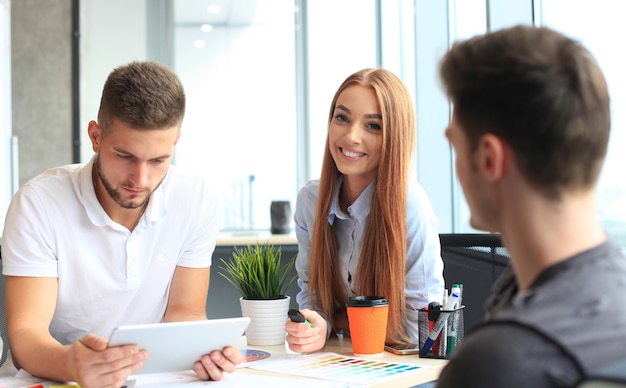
(124, 239)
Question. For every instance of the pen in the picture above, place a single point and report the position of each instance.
(454, 323)
(295, 316)
(460, 287)
(443, 317)
(441, 344)
(433, 315)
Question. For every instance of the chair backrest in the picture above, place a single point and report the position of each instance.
(475, 260)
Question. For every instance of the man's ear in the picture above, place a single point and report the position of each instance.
(492, 156)
(95, 135)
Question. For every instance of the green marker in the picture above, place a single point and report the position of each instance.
(295, 316)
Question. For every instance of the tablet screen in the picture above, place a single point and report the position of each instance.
(176, 346)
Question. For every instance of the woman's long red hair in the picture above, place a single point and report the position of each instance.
(381, 268)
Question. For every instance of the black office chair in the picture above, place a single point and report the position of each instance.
(475, 260)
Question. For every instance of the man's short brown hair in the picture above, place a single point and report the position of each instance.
(142, 95)
(540, 91)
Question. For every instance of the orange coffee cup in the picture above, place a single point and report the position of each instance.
(367, 319)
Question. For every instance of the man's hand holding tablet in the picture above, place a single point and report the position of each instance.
(207, 347)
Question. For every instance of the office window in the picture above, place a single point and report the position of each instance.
(341, 40)
(597, 24)
(259, 82)
(467, 18)
(237, 65)
(239, 74)
(244, 126)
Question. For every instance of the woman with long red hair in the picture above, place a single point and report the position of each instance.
(366, 227)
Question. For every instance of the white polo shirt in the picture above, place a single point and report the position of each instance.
(107, 276)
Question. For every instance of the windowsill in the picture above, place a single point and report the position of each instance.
(251, 237)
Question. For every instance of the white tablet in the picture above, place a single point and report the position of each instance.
(176, 346)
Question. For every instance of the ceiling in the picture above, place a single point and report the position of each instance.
(232, 12)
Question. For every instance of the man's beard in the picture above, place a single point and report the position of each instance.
(115, 194)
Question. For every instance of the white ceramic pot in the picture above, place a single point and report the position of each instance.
(267, 320)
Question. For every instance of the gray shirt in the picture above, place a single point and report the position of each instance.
(423, 279)
(570, 322)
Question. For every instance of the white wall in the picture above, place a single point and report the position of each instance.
(113, 33)
(6, 187)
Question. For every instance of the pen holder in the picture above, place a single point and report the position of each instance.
(450, 336)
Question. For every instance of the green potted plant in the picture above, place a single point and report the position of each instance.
(257, 273)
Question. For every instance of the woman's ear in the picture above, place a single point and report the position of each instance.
(492, 157)
(95, 135)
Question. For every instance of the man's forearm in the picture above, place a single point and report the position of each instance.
(182, 315)
(40, 355)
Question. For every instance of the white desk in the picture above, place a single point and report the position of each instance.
(248, 376)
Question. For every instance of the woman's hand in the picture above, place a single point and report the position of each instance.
(307, 337)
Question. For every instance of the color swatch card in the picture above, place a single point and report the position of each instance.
(336, 367)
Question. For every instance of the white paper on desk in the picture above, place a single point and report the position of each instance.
(242, 379)
(237, 380)
(16, 382)
(338, 368)
(25, 379)
(188, 379)
(169, 379)
(254, 356)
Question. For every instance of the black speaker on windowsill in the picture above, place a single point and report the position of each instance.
(280, 212)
